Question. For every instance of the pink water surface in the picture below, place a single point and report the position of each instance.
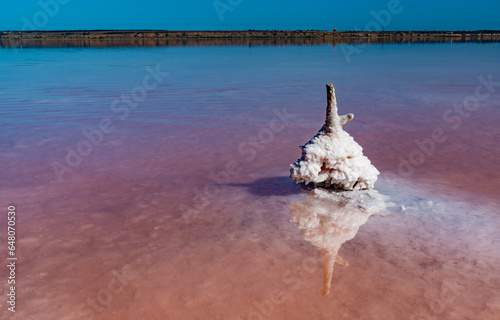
(182, 211)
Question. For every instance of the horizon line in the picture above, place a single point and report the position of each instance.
(253, 30)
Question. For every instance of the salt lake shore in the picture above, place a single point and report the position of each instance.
(166, 37)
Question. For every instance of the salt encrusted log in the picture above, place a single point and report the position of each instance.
(332, 158)
(333, 121)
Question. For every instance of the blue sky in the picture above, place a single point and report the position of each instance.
(250, 14)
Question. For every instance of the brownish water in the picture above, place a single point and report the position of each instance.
(182, 210)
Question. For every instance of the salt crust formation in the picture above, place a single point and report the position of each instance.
(339, 200)
(328, 218)
(332, 158)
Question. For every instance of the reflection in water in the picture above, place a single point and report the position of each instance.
(328, 218)
(181, 42)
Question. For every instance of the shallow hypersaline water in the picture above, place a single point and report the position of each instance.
(147, 195)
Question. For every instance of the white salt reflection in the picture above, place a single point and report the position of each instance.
(328, 218)
(436, 255)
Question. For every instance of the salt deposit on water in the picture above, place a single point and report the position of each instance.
(329, 217)
(332, 158)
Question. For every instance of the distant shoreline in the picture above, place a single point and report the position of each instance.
(103, 38)
(158, 34)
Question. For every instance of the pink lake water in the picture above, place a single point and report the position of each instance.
(177, 206)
